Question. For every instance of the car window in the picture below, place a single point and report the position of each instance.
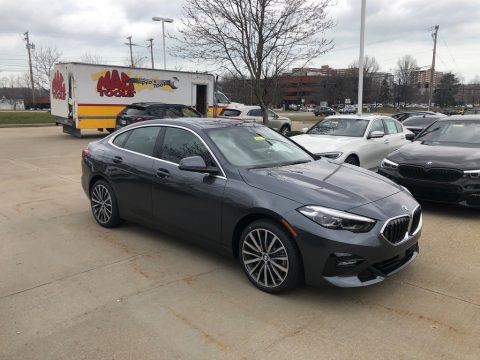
(120, 139)
(255, 112)
(390, 126)
(377, 126)
(230, 112)
(189, 112)
(156, 111)
(419, 121)
(271, 114)
(173, 112)
(142, 140)
(340, 127)
(399, 127)
(180, 143)
(135, 110)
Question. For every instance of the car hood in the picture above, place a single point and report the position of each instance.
(441, 155)
(324, 143)
(322, 183)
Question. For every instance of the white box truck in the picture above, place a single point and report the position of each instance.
(89, 96)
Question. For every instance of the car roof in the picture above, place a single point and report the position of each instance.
(199, 123)
(359, 117)
(471, 117)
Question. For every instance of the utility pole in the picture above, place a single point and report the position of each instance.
(129, 38)
(30, 47)
(151, 51)
(432, 76)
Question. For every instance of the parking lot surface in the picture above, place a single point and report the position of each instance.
(70, 289)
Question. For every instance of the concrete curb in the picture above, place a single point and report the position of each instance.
(26, 125)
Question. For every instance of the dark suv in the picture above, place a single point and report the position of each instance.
(137, 112)
(324, 111)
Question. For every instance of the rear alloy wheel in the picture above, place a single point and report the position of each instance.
(269, 257)
(285, 130)
(104, 205)
(352, 160)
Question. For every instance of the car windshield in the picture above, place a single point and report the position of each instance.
(340, 127)
(454, 131)
(257, 147)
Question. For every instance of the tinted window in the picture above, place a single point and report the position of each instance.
(390, 125)
(180, 143)
(135, 110)
(419, 121)
(255, 112)
(142, 140)
(230, 112)
(172, 112)
(120, 139)
(156, 111)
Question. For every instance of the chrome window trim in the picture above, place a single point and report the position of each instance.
(407, 234)
(110, 141)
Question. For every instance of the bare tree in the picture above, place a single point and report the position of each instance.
(92, 58)
(43, 61)
(256, 40)
(370, 65)
(406, 65)
(138, 60)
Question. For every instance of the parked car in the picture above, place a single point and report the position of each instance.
(348, 109)
(358, 140)
(400, 116)
(323, 111)
(442, 164)
(471, 111)
(419, 122)
(254, 113)
(137, 112)
(245, 190)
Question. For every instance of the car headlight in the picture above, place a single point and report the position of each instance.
(474, 174)
(336, 219)
(388, 164)
(331, 155)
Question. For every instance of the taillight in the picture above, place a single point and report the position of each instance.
(85, 152)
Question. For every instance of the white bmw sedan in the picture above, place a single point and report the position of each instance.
(358, 140)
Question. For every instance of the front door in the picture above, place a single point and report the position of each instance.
(184, 202)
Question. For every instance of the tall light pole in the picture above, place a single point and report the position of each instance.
(361, 60)
(163, 20)
(432, 73)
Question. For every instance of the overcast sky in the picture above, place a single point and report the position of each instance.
(100, 28)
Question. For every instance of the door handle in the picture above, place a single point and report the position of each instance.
(163, 173)
(117, 159)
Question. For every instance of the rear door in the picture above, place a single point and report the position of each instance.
(129, 168)
(396, 138)
(376, 148)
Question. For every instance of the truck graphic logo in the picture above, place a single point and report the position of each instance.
(156, 83)
(58, 86)
(114, 84)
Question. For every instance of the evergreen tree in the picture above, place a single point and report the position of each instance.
(446, 90)
(385, 94)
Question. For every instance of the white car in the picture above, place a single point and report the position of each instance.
(254, 113)
(358, 140)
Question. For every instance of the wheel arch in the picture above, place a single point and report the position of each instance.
(355, 155)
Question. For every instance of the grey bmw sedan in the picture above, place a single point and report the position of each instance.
(247, 191)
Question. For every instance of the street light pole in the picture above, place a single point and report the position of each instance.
(151, 51)
(163, 20)
(361, 60)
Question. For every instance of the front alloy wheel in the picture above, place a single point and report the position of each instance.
(269, 257)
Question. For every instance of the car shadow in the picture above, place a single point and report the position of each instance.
(451, 210)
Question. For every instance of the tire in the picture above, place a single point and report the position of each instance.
(104, 205)
(352, 160)
(273, 274)
(284, 130)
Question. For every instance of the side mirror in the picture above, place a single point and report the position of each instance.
(410, 136)
(376, 135)
(196, 164)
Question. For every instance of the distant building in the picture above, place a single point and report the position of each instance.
(423, 78)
